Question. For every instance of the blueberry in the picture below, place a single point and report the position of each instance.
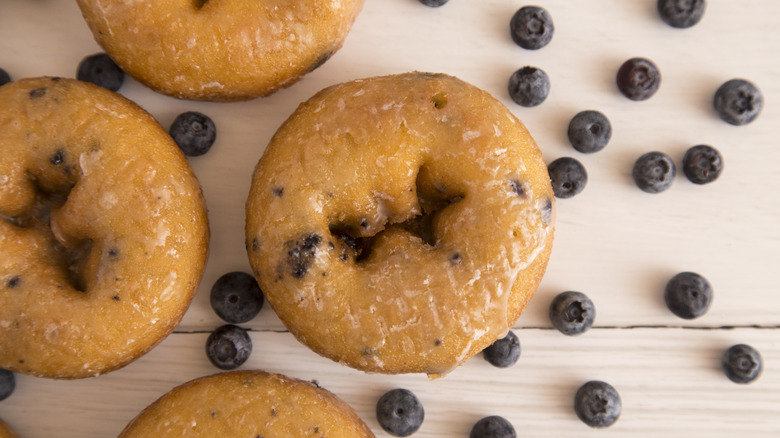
(504, 352)
(4, 77)
(738, 102)
(568, 177)
(493, 427)
(531, 27)
(572, 313)
(433, 3)
(236, 297)
(688, 295)
(589, 131)
(742, 363)
(228, 347)
(101, 70)
(702, 164)
(654, 172)
(681, 13)
(193, 132)
(7, 383)
(638, 78)
(399, 412)
(597, 404)
(529, 86)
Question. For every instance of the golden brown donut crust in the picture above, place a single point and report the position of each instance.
(400, 223)
(248, 404)
(219, 49)
(103, 229)
(5, 431)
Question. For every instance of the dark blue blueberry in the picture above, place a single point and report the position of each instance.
(589, 131)
(688, 295)
(493, 427)
(531, 27)
(7, 383)
(654, 172)
(194, 132)
(529, 86)
(228, 347)
(568, 177)
(742, 363)
(399, 412)
(738, 102)
(101, 70)
(504, 352)
(597, 404)
(4, 77)
(236, 297)
(638, 78)
(681, 13)
(300, 254)
(572, 313)
(702, 164)
(433, 3)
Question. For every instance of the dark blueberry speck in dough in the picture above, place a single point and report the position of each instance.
(7, 383)
(301, 253)
(57, 158)
(400, 412)
(517, 187)
(101, 70)
(531, 27)
(14, 281)
(742, 363)
(597, 404)
(493, 427)
(37, 93)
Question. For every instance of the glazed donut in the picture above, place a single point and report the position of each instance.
(103, 229)
(248, 404)
(400, 223)
(219, 49)
(5, 431)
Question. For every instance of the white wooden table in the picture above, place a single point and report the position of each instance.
(614, 242)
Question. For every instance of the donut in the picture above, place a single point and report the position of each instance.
(5, 431)
(400, 224)
(248, 404)
(219, 50)
(103, 229)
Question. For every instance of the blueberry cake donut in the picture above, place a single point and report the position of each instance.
(5, 431)
(103, 229)
(219, 49)
(248, 404)
(400, 223)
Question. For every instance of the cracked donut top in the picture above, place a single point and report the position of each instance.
(220, 49)
(400, 223)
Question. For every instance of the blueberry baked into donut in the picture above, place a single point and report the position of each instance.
(401, 223)
(103, 229)
(219, 50)
(248, 404)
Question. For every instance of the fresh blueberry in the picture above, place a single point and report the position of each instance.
(688, 295)
(568, 177)
(399, 412)
(589, 131)
(228, 347)
(681, 13)
(572, 313)
(504, 352)
(654, 172)
(7, 383)
(529, 86)
(738, 102)
(493, 427)
(4, 77)
(236, 297)
(702, 164)
(433, 3)
(194, 133)
(531, 27)
(638, 78)
(742, 363)
(101, 70)
(597, 404)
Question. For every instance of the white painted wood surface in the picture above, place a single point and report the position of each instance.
(614, 242)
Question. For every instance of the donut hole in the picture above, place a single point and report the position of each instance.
(199, 4)
(439, 100)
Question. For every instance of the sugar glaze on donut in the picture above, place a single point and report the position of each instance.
(400, 223)
(219, 49)
(103, 229)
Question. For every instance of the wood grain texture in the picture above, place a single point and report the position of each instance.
(613, 242)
